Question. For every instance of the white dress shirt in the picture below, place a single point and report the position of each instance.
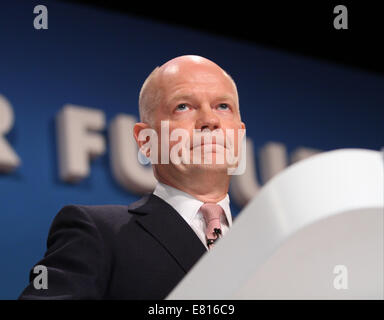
(189, 208)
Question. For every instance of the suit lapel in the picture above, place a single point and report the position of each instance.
(166, 225)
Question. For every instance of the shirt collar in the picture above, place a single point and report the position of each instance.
(185, 204)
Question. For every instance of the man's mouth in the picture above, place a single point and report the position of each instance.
(212, 145)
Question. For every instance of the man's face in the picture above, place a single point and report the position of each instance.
(199, 97)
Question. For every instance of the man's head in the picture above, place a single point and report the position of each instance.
(191, 93)
(151, 92)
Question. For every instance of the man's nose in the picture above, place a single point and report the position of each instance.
(207, 120)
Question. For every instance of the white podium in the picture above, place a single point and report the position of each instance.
(314, 231)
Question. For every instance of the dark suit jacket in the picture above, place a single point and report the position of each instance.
(139, 251)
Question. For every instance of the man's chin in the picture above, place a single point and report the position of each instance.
(208, 167)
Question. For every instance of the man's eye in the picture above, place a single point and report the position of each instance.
(182, 107)
(223, 106)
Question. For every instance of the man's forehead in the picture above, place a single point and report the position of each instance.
(174, 75)
(186, 61)
(177, 70)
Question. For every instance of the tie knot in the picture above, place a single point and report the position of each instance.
(211, 211)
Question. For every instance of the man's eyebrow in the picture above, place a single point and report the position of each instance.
(182, 97)
(226, 97)
(191, 96)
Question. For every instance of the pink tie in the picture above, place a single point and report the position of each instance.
(211, 213)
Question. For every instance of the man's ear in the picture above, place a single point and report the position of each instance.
(136, 132)
(242, 127)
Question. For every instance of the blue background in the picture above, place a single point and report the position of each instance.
(100, 59)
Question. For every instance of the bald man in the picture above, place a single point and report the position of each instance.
(190, 130)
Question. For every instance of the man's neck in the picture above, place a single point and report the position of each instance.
(206, 187)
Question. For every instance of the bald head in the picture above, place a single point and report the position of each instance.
(190, 68)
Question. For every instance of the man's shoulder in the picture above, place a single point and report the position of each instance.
(100, 210)
(113, 215)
